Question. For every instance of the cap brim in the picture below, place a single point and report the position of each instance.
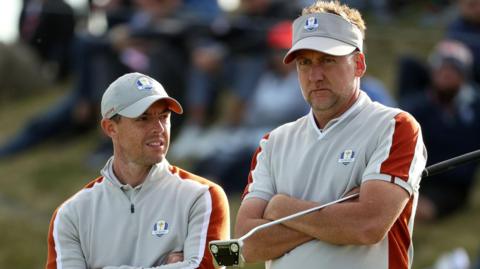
(322, 44)
(138, 108)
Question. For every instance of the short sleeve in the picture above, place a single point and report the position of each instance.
(260, 180)
(400, 155)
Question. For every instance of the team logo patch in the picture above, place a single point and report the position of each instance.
(160, 228)
(347, 157)
(311, 24)
(144, 84)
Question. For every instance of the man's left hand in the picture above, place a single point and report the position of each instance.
(174, 257)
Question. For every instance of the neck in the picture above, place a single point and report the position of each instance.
(130, 173)
(322, 118)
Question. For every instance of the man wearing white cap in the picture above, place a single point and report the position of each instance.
(142, 212)
(346, 144)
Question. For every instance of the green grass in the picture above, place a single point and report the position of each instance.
(33, 184)
(459, 230)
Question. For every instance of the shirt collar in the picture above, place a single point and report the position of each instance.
(155, 173)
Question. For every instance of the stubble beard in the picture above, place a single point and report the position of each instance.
(322, 105)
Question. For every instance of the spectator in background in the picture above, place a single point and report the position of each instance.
(380, 9)
(153, 41)
(76, 111)
(413, 74)
(42, 52)
(224, 152)
(376, 90)
(412, 77)
(207, 10)
(466, 28)
(148, 40)
(226, 65)
(48, 27)
(449, 113)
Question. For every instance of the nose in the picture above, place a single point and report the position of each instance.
(158, 126)
(316, 73)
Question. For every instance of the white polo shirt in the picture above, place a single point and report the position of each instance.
(367, 142)
(110, 225)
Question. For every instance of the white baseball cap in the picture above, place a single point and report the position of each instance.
(132, 94)
(324, 32)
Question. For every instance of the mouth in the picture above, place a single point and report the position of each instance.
(320, 92)
(155, 144)
(320, 89)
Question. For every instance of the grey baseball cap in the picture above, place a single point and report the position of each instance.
(132, 94)
(324, 32)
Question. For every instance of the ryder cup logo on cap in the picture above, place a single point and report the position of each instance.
(311, 24)
(132, 94)
(144, 83)
(160, 228)
(324, 32)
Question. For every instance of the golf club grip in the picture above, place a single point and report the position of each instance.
(298, 214)
(450, 163)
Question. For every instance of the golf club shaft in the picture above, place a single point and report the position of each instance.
(298, 214)
(450, 163)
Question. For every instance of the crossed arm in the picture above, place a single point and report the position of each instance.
(64, 236)
(363, 221)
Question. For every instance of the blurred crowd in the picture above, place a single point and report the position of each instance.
(226, 68)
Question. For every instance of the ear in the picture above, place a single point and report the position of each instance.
(109, 127)
(360, 64)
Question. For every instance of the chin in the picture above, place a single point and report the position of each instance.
(155, 159)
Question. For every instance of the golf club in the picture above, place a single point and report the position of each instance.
(228, 252)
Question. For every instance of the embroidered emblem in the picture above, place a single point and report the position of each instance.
(347, 157)
(160, 228)
(144, 84)
(311, 24)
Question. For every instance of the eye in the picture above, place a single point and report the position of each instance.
(304, 61)
(142, 118)
(329, 60)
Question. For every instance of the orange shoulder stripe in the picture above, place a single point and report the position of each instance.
(399, 239)
(402, 151)
(51, 252)
(219, 225)
(252, 167)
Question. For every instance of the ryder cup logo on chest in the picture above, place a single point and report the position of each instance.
(160, 228)
(144, 84)
(311, 24)
(347, 157)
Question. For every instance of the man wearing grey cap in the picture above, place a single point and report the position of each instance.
(346, 144)
(141, 212)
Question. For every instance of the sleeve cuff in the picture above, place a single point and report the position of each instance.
(395, 180)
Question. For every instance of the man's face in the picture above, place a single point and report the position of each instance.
(470, 9)
(446, 79)
(328, 82)
(144, 140)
